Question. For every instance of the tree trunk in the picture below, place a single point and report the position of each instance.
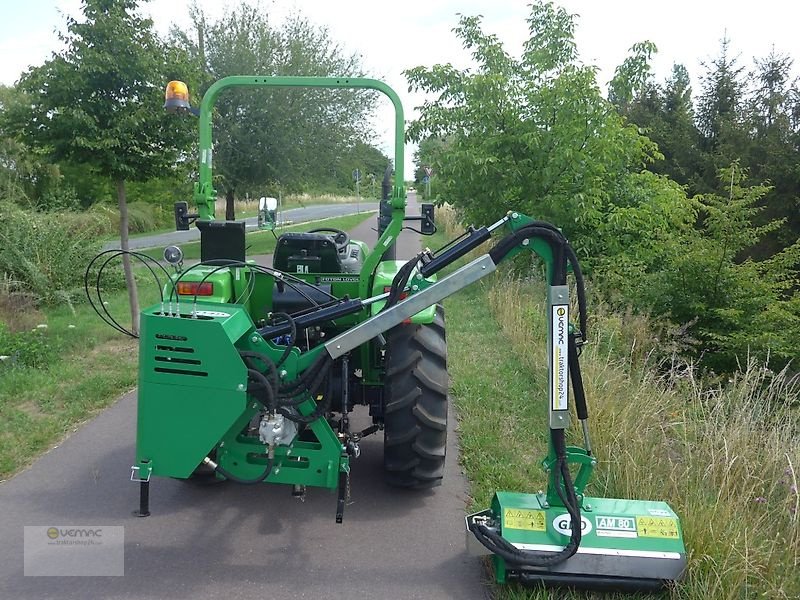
(230, 213)
(130, 281)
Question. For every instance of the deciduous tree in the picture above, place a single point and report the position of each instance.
(98, 103)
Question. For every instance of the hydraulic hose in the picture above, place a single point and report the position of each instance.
(234, 478)
(262, 385)
(321, 409)
(562, 253)
(494, 542)
(562, 479)
(400, 281)
(292, 338)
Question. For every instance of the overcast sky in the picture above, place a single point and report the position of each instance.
(394, 36)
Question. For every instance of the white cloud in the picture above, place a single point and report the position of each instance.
(392, 37)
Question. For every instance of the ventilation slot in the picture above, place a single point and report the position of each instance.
(183, 361)
(175, 349)
(166, 336)
(181, 372)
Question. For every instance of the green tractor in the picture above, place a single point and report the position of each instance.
(269, 362)
(303, 300)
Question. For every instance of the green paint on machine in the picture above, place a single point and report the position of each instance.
(618, 537)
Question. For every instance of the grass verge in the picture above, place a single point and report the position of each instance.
(82, 366)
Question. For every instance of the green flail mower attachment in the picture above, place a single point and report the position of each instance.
(561, 536)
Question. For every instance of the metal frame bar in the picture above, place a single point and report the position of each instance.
(405, 309)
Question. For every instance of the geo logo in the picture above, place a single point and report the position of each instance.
(563, 525)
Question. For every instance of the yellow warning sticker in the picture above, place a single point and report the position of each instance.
(523, 518)
(657, 527)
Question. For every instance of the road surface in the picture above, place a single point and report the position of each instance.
(296, 215)
(235, 542)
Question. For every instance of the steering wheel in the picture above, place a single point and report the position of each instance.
(340, 238)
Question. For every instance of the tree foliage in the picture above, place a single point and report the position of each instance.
(98, 103)
(300, 138)
(531, 134)
(535, 134)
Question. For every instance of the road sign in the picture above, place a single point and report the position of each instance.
(428, 171)
(356, 175)
(426, 179)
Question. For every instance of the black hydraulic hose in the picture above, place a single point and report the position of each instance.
(292, 336)
(498, 545)
(300, 395)
(561, 251)
(553, 237)
(263, 385)
(400, 281)
(581, 408)
(302, 382)
(580, 286)
(249, 356)
(114, 253)
(321, 409)
(235, 479)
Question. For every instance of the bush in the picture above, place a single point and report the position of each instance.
(142, 217)
(47, 254)
(24, 348)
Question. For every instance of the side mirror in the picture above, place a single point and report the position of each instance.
(427, 226)
(182, 216)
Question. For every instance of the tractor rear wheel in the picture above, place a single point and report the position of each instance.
(415, 408)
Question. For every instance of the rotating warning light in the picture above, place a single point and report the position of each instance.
(176, 97)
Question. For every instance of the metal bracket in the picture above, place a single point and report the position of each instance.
(136, 469)
(405, 309)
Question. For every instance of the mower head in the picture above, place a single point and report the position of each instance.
(626, 545)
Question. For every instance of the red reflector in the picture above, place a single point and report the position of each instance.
(388, 288)
(190, 288)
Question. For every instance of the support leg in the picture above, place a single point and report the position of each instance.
(144, 500)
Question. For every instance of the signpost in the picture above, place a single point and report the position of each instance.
(427, 181)
(357, 179)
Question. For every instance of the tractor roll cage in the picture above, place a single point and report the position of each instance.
(205, 195)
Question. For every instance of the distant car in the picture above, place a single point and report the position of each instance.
(411, 189)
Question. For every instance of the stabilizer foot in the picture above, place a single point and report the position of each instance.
(144, 500)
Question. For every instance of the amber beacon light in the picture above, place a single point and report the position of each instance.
(176, 97)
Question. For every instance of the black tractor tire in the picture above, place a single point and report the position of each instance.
(415, 404)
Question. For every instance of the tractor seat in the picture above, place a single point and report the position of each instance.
(306, 253)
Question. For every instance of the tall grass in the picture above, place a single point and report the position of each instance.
(45, 254)
(142, 217)
(726, 457)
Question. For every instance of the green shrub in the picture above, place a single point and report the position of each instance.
(142, 217)
(47, 253)
(24, 348)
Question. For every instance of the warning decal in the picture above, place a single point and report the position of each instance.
(657, 527)
(523, 518)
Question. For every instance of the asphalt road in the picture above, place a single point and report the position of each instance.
(241, 542)
(296, 215)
